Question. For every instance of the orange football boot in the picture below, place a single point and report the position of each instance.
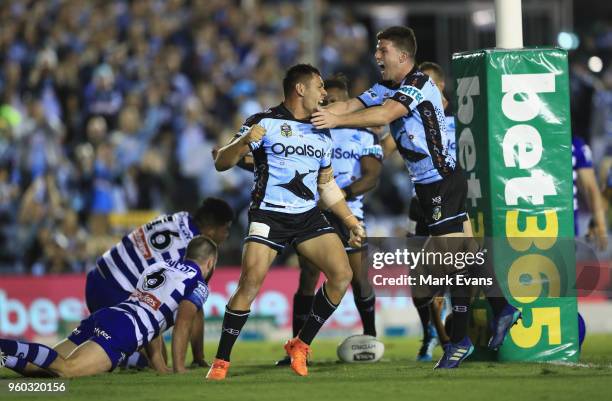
(218, 370)
(299, 351)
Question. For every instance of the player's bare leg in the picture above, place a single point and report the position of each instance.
(86, 360)
(327, 253)
(25, 368)
(256, 260)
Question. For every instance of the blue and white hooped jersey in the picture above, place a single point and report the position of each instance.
(421, 134)
(154, 303)
(350, 145)
(165, 238)
(287, 161)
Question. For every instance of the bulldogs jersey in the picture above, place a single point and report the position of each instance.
(154, 303)
(164, 238)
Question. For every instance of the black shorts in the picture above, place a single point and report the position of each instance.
(443, 203)
(277, 229)
(343, 232)
(415, 213)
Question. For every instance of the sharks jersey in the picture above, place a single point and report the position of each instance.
(164, 238)
(350, 145)
(421, 134)
(287, 161)
(154, 303)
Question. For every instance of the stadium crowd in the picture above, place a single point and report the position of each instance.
(110, 106)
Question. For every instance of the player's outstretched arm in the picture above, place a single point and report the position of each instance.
(155, 356)
(333, 199)
(197, 340)
(370, 117)
(229, 155)
(181, 334)
(345, 107)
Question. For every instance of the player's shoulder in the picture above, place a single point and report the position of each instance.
(278, 112)
(257, 117)
(180, 215)
(416, 78)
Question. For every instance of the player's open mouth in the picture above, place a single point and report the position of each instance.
(381, 66)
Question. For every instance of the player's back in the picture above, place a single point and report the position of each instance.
(287, 161)
(165, 238)
(153, 305)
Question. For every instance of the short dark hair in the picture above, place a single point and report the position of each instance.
(213, 212)
(337, 81)
(402, 37)
(201, 248)
(430, 65)
(296, 74)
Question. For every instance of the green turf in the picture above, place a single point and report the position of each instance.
(397, 377)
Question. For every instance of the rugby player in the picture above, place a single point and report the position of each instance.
(292, 164)
(165, 238)
(431, 309)
(411, 103)
(356, 161)
(166, 294)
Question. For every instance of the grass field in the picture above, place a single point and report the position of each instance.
(253, 377)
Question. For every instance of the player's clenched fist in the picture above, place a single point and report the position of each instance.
(358, 236)
(255, 134)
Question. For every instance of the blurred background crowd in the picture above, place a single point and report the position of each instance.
(112, 106)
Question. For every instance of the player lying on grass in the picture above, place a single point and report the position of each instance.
(411, 103)
(167, 294)
(292, 173)
(165, 238)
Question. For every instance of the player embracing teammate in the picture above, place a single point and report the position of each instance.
(411, 104)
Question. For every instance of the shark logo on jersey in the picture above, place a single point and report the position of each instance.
(297, 187)
(286, 130)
